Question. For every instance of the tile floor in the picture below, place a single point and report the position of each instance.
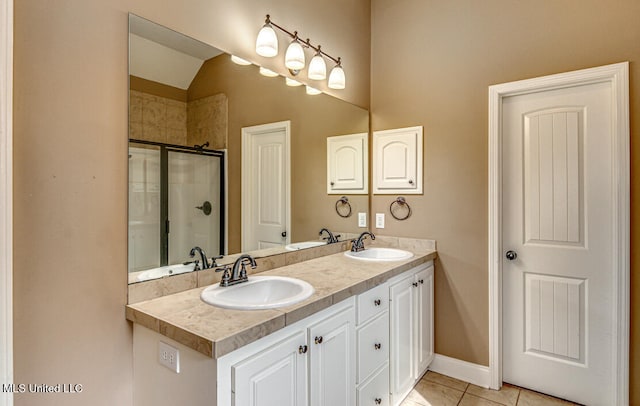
(439, 390)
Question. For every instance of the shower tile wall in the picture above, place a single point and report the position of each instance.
(168, 121)
(155, 118)
(207, 121)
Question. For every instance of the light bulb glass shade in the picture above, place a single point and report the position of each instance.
(292, 82)
(317, 68)
(267, 42)
(267, 72)
(294, 58)
(312, 91)
(336, 78)
(239, 61)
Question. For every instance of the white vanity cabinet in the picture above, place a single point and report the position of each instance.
(411, 332)
(276, 376)
(347, 164)
(332, 360)
(311, 362)
(373, 347)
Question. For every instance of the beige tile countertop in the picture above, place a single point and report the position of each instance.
(214, 331)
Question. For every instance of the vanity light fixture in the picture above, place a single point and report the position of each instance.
(267, 72)
(267, 46)
(239, 61)
(267, 41)
(317, 67)
(294, 58)
(336, 77)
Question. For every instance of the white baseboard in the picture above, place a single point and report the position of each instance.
(463, 370)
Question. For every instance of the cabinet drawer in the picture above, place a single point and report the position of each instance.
(373, 346)
(372, 302)
(375, 392)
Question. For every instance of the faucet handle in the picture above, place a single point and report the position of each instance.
(226, 277)
(197, 267)
(213, 260)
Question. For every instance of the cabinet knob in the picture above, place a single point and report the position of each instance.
(415, 284)
(378, 401)
(411, 181)
(377, 302)
(318, 340)
(421, 281)
(302, 349)
(332, 183)
(377, 346)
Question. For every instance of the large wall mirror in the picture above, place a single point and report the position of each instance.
(214, 146)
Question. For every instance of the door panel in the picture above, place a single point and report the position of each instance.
(557, 216)
(265, 194)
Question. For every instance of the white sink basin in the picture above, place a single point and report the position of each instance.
(302, 245)
(162, 271)
(380, 254)
(260, 292)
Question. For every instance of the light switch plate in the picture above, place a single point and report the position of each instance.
(362, 219)
(169, 356)
(379, 220)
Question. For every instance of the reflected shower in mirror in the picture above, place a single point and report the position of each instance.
(189, 98)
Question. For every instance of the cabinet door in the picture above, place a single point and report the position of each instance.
(402, 357)
(332, 357)
(424, 320)
(275, 377)
(397, 163)
(346, 164)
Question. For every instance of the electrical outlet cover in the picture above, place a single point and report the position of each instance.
(362, 219)
(379, 220)
(169, 356)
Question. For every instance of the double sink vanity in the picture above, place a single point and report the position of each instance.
(348, 328)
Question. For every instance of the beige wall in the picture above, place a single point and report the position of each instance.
(432, 62)
(70, 170)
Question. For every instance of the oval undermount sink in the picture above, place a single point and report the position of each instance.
(163, 271)
(380, 254)
(260, 292)
(302, 245)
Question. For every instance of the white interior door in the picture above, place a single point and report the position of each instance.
(265, 186)
(557, 220)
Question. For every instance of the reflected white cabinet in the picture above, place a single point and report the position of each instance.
(397, 161)
(332, 360)
(411, 314)
(347, 157)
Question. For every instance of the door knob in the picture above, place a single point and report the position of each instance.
(283, 234)
(511, 255)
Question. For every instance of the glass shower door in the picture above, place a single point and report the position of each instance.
(194, 204)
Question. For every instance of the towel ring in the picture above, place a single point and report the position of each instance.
(401, 202)
(342, 202)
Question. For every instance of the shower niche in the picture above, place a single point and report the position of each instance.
(176, 202)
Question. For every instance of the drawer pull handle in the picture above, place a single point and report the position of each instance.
(378, 401)
(377, 302)
(415, 284)
(377, 346)
(302, 349)
(318, 340)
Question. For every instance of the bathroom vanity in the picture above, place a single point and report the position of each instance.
(365, 337)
